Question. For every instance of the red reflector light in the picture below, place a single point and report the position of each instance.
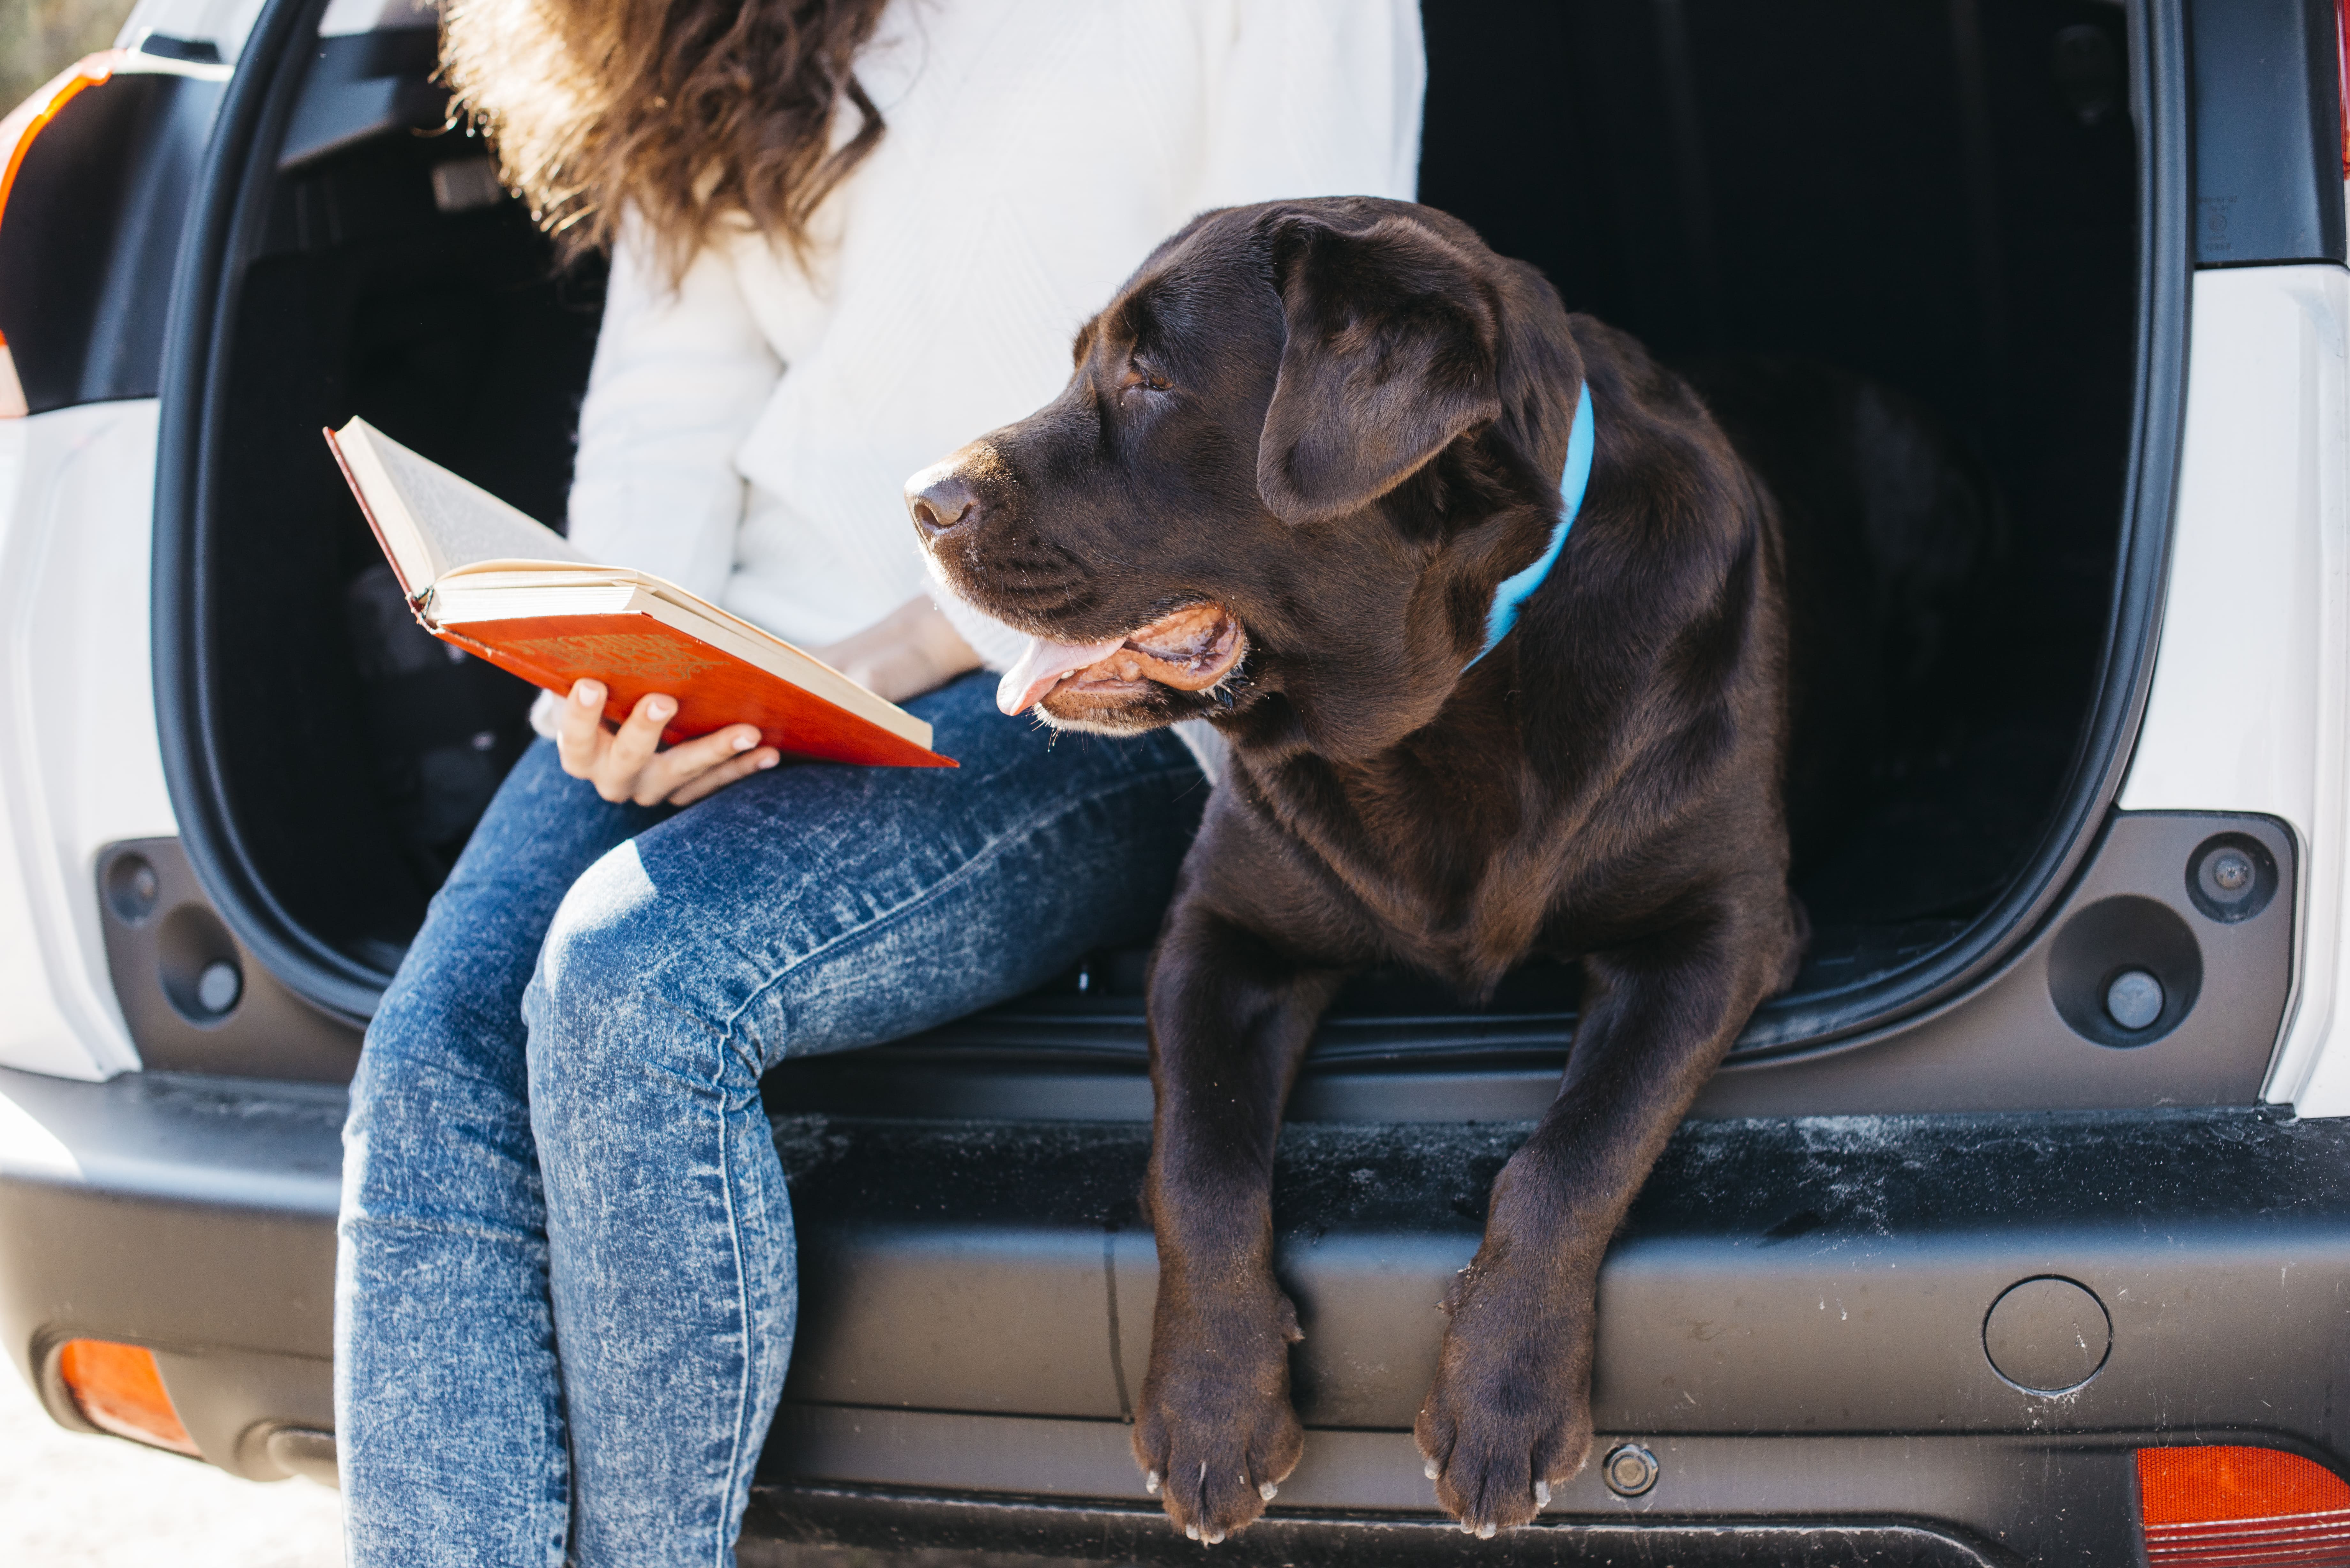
(2237, 1508)
(119, 1390)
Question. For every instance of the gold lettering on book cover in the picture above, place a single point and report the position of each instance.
(623, 654)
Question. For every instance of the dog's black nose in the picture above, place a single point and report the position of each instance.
(941, 499)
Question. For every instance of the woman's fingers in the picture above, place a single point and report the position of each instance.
(579, 738)
(711, 780)
(634, 744)
(687, 761)
(627, 765)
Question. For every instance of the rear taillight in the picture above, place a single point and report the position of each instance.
(2235, 1508)
(119, 1390)
(16, 133)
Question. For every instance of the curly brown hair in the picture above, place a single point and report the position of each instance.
(690, 112)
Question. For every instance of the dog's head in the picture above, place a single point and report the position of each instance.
(1299, 450)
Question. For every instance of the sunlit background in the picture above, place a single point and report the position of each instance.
(38, 38)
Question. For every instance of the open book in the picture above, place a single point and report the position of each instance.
(481, 575)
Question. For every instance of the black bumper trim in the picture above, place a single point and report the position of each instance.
(886, 1520)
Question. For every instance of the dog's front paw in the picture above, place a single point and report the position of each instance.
(1214, 1433)
(1509, 1415)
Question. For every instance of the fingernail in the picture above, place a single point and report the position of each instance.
(770, 759)
(660, 707)
(744, 742)
(587, 694)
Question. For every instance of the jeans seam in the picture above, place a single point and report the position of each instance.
(722, 1537)
(1026, 825)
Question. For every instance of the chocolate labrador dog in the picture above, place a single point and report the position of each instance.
(1307, 483)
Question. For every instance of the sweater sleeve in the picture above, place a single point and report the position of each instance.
(680, 375)
(1311, 97)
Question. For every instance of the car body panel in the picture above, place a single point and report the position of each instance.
(2251, 705)
(78, 766)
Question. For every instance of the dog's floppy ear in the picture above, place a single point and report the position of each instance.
(1391, 355)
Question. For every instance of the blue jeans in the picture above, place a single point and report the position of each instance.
(564, 1290)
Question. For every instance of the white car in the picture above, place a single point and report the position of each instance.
(2019, 1231)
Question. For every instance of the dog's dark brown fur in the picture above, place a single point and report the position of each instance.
(1342, 424)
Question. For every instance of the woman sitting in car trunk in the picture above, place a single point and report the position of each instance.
(847, 236)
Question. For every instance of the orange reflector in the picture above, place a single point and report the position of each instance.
(119, 1391)
(2235, 1508)
(17, 130)
(24, 122)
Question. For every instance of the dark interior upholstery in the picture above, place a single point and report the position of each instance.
(360, 753)
(1940, 197)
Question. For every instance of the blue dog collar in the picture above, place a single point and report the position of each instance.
(1518, 586)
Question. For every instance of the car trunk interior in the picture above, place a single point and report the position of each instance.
(1943, 198)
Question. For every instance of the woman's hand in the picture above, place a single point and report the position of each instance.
(907, 652)
(627, 765)
(913, 649)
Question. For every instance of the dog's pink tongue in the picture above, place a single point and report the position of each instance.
(1045, 665)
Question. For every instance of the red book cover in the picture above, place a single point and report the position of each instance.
(635, 655)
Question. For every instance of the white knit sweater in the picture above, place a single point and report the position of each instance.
(747, 434)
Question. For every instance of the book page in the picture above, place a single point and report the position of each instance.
(458, 524)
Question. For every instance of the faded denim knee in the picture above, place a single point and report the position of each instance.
(628, 998)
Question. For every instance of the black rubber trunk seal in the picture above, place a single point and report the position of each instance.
(2159, 104)
(231, 187)
(235, 180)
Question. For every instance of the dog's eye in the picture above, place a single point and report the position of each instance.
(1136, 376)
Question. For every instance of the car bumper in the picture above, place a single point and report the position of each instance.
(1793, 1321)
